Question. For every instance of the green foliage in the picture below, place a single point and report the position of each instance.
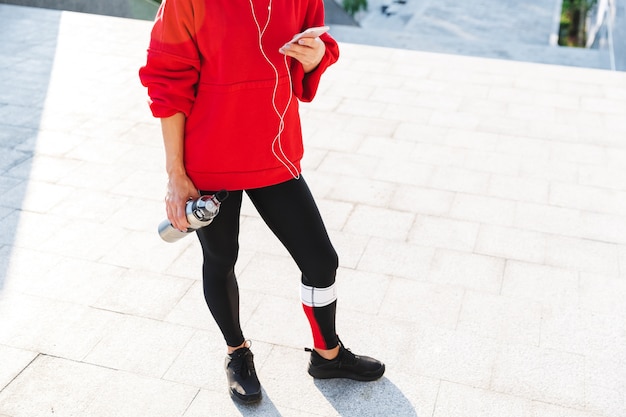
(354, 6)
(573, 19)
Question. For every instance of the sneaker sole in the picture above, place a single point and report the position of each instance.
(371, 376)
(245, 399)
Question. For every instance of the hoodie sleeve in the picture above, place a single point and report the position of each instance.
(305, 85)
(172, 67)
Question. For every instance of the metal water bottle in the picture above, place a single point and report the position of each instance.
(199, 212)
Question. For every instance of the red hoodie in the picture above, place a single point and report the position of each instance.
(205, 61)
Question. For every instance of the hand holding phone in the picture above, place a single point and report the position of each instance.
(310, 33)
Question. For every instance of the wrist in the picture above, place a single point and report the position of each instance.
(174, 170)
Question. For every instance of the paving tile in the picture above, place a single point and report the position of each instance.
(66, 278)
(422, 200)
(326, 139)
(287, 365)
(482, 105)
(121, 250)
(255, 234)
(550, 170)
(142, 183)
(478, 208)
(583, 332)
(361, 291)
(108, 177)
(335, 214)
(143, 294)
(30, 230)
(548, 219)
(396, 259)
(609, 175)
(192, 311)
(505, 125)
(272, 275)
(519, 188)
(349, 165)
(140, 346)
(349, 247)
(529, 148)
(384, 147)
(371, 126)
(540, 409)
(608, 374)
(581, 254)
(454, 119)
(594, 199)
(454, 356)
(409, 172)
(380, 222)
(459, 180)
(604, 401)
(511, 243)
(420, 132)
(603, 227)
(503, 318)
(130, 394)
(477, 140)
(461, 400)
(276, 320)
(492, 162)
(13, 361)
(201, 362)
(43, 388)
(467, 270)
(423, 302)
(435, 154)
(50, 326)
(545, 284)
(189, 263)
(43, 168)
(39, 197)
(404, 113)
(213, 402)
(440, 232)
(602, 294)
(388, 395)
(92, 207)
(374, 107)
(541, 374)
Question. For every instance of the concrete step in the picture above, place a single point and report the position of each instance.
(518, 51)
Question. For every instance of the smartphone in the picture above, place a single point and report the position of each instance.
(310, 33)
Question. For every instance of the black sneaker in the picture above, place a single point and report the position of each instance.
(243, 384)
(345, 365)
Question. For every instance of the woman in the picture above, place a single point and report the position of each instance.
(225, 81)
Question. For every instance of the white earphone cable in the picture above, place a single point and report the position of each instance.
(282, 158)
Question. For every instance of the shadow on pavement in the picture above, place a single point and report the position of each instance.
(352, 398)
(27, 54)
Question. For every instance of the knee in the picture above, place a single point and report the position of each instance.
(322, 272)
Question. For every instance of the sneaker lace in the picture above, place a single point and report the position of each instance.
(243, 363)
(345, 356)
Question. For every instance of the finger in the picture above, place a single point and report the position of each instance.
(306, 41)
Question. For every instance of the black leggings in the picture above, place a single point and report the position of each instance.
(291, 213)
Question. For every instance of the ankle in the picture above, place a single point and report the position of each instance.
(231, 349)
(329, 354)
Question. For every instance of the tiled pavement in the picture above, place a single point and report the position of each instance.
(478, 207)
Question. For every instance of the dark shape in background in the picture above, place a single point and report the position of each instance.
(146, 9)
